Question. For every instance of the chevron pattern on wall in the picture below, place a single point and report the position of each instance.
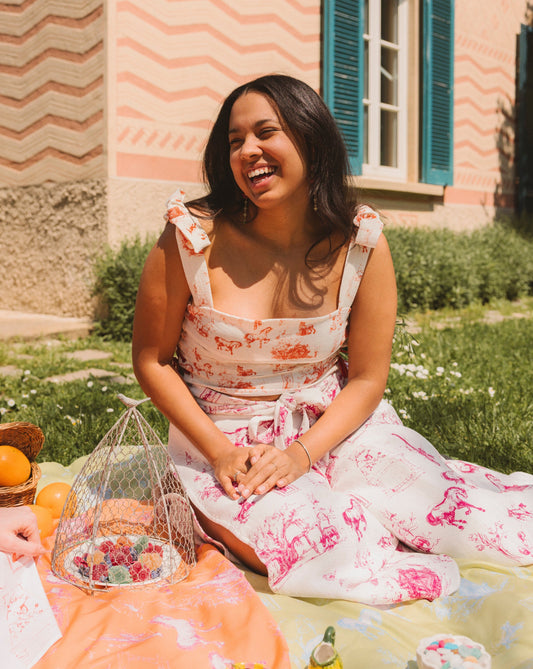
(51, 91)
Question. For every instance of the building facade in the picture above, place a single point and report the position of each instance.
(105, 106)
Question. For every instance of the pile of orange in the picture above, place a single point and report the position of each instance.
(48, 506)
(15, 468)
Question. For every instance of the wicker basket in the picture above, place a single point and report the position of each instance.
(29, 439)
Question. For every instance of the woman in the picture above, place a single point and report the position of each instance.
(291, 459)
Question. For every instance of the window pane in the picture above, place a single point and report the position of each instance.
(389, 20)
(365, 70)
(389, 76)
(365, 134)
(389, 138)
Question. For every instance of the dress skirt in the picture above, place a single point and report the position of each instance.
(378, 520)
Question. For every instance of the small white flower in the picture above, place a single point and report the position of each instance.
(420, 394)
(110, 410)
(387, 391)
(491, 391)
(456, 374)
(423, 356)
(454, 364)
(25, 396)
(10, 402)
(3, 410)
(90, 384)
(104, 389)
(415, 343)
(59, 407)
(27, 372)
(33, 391)
(440, 371)
(23, 406)
(409, 373)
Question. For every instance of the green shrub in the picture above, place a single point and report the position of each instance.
(117, 278)
(441, 268)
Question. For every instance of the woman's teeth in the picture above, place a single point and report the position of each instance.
(255, 175)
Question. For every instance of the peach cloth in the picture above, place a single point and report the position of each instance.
(210, 620)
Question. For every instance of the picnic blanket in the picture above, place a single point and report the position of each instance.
(494, 605)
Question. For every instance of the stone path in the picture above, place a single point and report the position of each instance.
(85, 355)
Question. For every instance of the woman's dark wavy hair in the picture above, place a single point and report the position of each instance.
(305, 115)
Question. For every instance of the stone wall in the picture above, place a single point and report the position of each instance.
(50, 235)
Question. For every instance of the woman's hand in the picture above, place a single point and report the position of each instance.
(271, 467)
(230, 467)
(19, 533)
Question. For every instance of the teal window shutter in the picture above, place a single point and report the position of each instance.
(343, 72)
(437, 92)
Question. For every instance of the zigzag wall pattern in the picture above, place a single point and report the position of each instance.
(51, 91)
(176, 61)
(485, 61)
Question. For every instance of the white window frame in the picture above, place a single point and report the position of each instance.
(372, 34)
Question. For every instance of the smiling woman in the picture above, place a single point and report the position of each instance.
(290, 457)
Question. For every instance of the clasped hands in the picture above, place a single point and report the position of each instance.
(244, 471)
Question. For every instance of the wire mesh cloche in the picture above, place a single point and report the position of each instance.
(127, 520)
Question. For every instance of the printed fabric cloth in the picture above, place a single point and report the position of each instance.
(379, 518)
(203, 621)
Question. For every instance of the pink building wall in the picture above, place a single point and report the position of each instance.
(172, 63)
(485, 69)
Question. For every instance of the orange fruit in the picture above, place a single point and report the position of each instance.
(45, 522)
(53, 497)
(15, 468)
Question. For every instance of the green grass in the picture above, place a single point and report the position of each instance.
(467, 388)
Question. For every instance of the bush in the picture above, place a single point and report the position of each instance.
(441, 268)
(117, 278)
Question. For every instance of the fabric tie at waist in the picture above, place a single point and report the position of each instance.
(275, 421)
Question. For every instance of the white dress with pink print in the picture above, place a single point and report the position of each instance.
(380, 517)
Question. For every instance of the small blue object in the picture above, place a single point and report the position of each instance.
(451, 646)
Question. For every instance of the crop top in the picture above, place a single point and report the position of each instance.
(247, 357)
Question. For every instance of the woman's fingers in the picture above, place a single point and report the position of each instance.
(230, 469)
(273, 466)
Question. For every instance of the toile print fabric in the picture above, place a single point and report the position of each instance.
(380, 518)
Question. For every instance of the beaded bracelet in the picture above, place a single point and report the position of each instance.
(306, 452)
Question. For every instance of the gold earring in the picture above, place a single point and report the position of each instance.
(245, 211)
(315, 202)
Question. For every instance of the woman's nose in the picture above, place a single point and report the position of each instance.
(250, 147)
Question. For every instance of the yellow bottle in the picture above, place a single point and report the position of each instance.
(324, 655)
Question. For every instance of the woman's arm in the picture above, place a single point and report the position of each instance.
(162, 299)
(372, 322)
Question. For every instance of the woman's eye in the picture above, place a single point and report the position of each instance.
(266, 132)
(235, 141)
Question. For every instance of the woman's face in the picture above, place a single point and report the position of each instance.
(266, 163)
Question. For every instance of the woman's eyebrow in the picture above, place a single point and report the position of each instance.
(256, 125)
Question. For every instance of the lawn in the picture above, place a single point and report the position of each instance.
(467, 386)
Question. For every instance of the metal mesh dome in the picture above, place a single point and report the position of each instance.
(127, 520)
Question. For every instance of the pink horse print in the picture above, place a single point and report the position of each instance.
(444, 512)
